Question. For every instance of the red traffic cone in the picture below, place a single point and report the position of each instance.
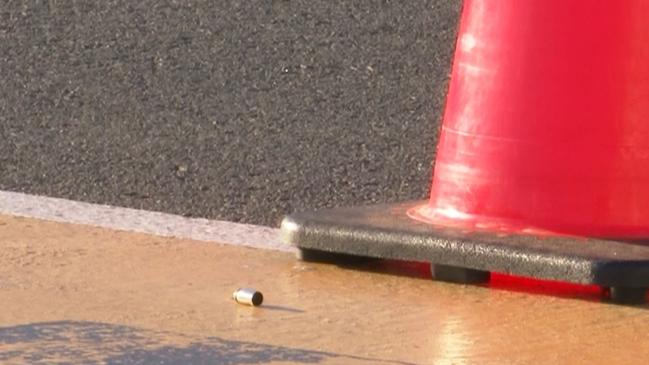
(545, 131)
(547, 120)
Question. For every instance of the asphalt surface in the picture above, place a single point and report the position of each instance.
(238, 110)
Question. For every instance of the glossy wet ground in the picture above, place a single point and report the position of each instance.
(78, 294)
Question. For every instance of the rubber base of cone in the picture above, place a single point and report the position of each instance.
(345, 235)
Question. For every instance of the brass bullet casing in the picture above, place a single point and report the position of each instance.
(248, 296)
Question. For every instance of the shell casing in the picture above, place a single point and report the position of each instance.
(248, 296)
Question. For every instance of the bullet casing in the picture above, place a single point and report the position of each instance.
(248, 296)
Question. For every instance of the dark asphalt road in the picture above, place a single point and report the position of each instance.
(238, 110)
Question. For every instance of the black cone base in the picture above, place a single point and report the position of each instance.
(386, 232)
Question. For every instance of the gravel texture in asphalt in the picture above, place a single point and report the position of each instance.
(237, 110)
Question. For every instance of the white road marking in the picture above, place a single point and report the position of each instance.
(142, 221)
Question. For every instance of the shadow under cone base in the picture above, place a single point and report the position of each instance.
(386, 232)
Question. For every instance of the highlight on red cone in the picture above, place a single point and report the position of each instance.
(546, 126)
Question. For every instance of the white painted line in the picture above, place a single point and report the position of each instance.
(142, 221)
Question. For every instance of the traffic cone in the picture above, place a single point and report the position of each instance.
(547, 120)
(544, 142)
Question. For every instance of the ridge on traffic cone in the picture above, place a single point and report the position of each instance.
(545, 139)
